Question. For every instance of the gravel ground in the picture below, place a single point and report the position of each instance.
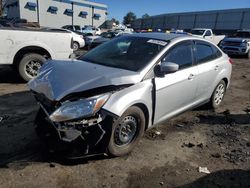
(218, 140)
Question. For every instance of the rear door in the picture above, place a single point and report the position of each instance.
(175, 92)
(206, 56)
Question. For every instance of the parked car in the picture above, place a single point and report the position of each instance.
(73, 28)
(93, 41)
(78, 40)
(207, 34)
(125, 86)
(238, 44)
(28, 49)
(91, 30)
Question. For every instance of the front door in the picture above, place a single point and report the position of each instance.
(176, 91)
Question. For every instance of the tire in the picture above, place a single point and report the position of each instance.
(218, 95)
(248, 54)
(29, 66)
(76, 46)
(116, 146)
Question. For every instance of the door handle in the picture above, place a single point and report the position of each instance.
(191, 77)
(216, 68)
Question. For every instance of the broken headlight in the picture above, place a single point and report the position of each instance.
(79, 109)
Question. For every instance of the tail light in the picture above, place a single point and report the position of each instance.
(230, 61)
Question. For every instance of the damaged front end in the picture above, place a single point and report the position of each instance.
(76, 127)
(71, 95)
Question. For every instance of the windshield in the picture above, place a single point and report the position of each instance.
(197, 31)
(242, 34)
(130, 53)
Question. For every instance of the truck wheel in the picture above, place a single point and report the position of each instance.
(126, 132)
(76, 46)
(29, 65)
(218, 95)
(248, 54)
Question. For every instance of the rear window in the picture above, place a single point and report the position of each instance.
(205, 52)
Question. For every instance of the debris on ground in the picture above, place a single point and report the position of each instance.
(189, 145)
(200, 145)
(179, 125)
(216, 155)
(236, 156)
(204, 170)
(157, 133)
(4, 117)
(162, 183)
(51, 165)
(154, 134)
(247, 110)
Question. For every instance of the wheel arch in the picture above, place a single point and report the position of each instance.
(225, 80)
(30, 49)
(145, 110)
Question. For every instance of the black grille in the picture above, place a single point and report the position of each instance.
(232, 44)
(232, 49)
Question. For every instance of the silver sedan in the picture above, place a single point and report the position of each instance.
(105, 100)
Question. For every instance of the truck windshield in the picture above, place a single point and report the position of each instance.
(198, 31)
(127, 52)
(243, 34)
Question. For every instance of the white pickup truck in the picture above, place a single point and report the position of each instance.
(207, 34)
(27, 49)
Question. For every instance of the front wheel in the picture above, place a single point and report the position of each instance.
(29, 66)
(218, 94)
(126, 132)
(76, 46)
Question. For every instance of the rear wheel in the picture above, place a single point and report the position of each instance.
(126, 132)
(218, 94)
(29, 66)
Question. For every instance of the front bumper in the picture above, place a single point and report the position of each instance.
(75, 140)
(233, 50)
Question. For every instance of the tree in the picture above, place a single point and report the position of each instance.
(115, 21)
(129, 18)
(145, 16)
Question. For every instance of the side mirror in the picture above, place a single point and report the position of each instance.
(166, 68)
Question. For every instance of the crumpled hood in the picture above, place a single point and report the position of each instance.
(57, 79)
(231, 39)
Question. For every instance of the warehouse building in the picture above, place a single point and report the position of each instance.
(57, 13)
(218, 20)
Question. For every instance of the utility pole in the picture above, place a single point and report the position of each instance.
(72, 14)
(92, 16)
(37, 11)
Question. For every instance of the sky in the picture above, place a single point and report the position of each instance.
(118, 8)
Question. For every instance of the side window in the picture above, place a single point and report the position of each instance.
(208, 33)
(205, 52)
(180, 54)
(217, 52)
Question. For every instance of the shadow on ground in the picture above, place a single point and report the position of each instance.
(9, 74)
(224, 178)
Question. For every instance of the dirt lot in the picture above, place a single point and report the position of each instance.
(218, 140)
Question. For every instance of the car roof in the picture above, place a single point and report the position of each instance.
(158, 36)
